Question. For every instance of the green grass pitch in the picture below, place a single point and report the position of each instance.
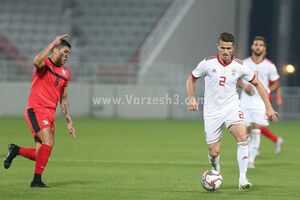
(145, 159)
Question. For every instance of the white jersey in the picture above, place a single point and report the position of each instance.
(220, 95)
(265, 71)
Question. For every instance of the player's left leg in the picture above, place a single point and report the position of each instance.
(260, 120)
(254, 144)
(13, 151)
(269, 134)
(277, 140)
(249, 118)
(240, 133)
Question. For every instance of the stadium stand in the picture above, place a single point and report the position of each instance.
(103, 32)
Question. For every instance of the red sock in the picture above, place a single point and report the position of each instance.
(27, 153)
(42, 158)
(265, 131)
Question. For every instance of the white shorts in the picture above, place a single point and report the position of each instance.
(213, 126)
(257, 116)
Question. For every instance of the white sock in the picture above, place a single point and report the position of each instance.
(242, 158)
(254, 144)
(214, 162)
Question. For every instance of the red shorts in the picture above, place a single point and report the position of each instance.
(38, 119)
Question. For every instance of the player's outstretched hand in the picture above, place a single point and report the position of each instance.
(59, 38)
(192, 104)
(72, 130)
(272, 115)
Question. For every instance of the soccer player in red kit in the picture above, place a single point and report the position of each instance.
(49, 86)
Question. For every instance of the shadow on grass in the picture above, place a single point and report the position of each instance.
(69, 183)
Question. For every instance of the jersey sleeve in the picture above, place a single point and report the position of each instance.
(273, 75)
(40, 71)
(47, 61)
(247, 74)
(200, 70)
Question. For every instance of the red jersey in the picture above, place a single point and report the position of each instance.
(47, 85)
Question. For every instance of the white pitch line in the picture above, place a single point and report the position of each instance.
(130, 162)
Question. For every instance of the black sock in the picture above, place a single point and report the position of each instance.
(37, 178)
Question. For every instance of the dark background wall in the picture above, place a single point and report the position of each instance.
(265, 20)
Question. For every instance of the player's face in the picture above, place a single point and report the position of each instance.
(225, 50)
(64, 54)
(258, 47)
(61, 55)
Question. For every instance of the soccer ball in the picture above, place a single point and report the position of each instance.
(211, 180)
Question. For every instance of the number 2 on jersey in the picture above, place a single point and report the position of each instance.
(241, 115)
(222, 80)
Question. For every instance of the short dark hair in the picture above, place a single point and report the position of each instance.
(63, 43)
(261, 38)
(226, 37)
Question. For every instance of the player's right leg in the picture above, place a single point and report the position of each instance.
(214, 155)
(46, 137)
(213, 135)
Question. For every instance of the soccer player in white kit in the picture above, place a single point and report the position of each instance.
(222, 104)
(252, 104)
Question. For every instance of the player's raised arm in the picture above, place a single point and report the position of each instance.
(66, 110)
(39, 58)
(262, 92)
(192, 103)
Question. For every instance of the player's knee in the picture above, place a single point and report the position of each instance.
(49, 142)
(37, 148)
(47, 137)
(214, 152)
(241, 138)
